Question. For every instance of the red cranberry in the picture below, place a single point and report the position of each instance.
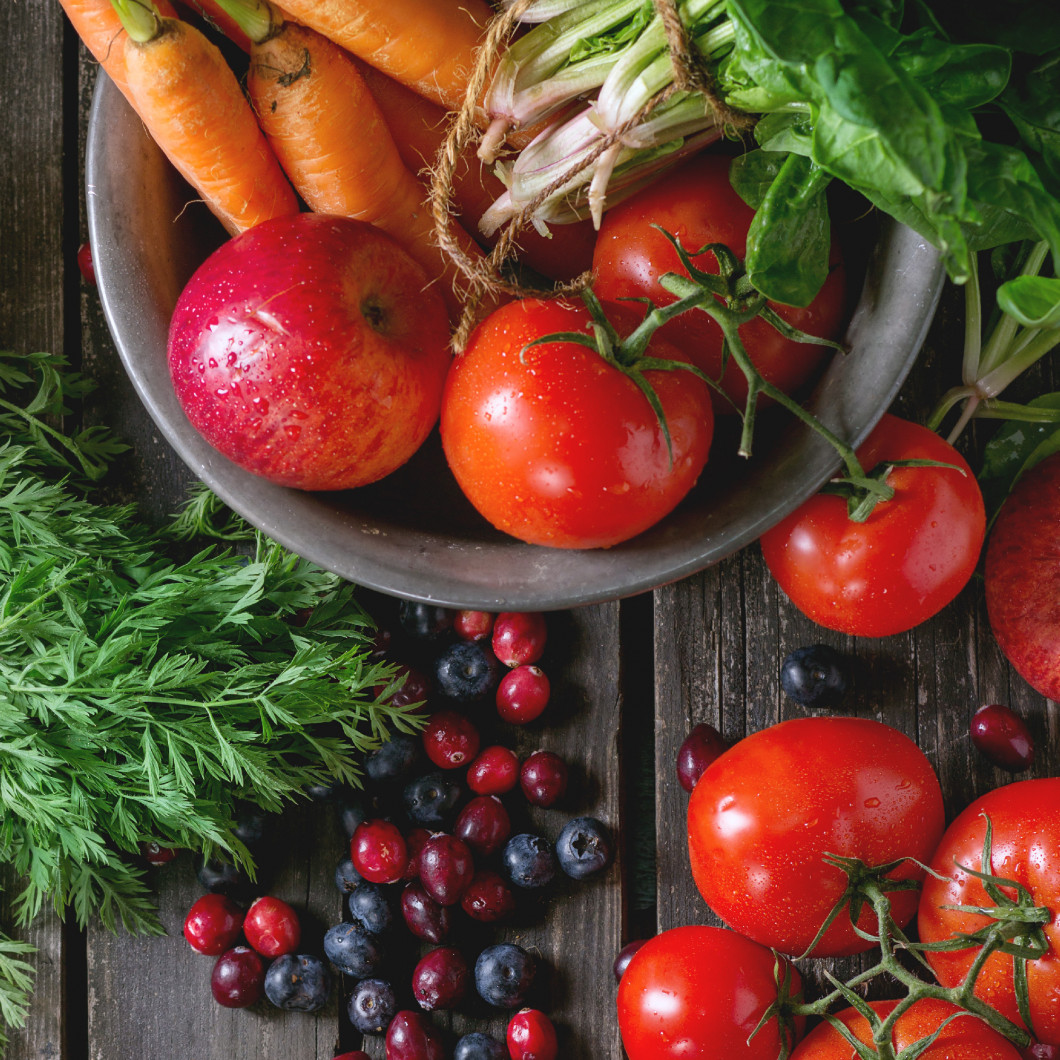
(238, 977)
(522, 694)
(357, 1054)
(484, 825)
(1003, 737)
(494, 771)
(446, 868)
(519, 637)
(450, 739)
(412, 1036)
(414, 843)
(701, 746)
(425, 917)
(381, 643)
(414, 687)
(625, 955)
(378, 851)
(155, 854)
(86, 264)
(1041, 1051)
(543, 778)
(213, 924)
(272, 927)
(488, 898)
(531, 1036)
(473, 625)
(441, 979)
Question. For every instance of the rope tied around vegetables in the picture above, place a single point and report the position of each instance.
(493, 273)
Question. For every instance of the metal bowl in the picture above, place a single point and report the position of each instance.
(413, 535)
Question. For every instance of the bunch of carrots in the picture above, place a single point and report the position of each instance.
(345, 106)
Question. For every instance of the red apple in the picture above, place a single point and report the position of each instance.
(311, 350)
(1022, 577)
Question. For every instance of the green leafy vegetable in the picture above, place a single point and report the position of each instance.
(1015, 448)
(147, 688)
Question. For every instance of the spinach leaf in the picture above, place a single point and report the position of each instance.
(1015, 448)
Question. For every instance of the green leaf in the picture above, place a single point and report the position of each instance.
(1033, 300)
(1014, 449)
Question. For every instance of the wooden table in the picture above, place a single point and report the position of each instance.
(633, 677)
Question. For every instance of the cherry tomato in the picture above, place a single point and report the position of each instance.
(697, 204)
(905, 562)
(1025, 834)
(697, 993)
(964, 1037)
(554, 445)
(764, 814)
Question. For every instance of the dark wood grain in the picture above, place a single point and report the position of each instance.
(33, 268)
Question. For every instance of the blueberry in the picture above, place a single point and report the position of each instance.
(583, 847)
(352, 811)
(352, 949)
(424, 621)
(370, 907)
(371, 1006)
(395, 759)
(432, 800)
(504, 974)
(478, 1046)
(252, 828)
(223, 877)
(466, 672)
(529, 860)
(324, 792)
(814, 676)
(299, 982)
(347, 878)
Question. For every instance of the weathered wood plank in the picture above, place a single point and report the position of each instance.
(33, 277)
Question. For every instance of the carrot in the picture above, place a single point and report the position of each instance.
(332, 141)
(216, 16)
(428, 45)
(97, 24)
(196, 112)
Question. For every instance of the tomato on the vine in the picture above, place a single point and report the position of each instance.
(697, 993)
(961, 1036)
(1025, 840)
(557, 446)
(765, 813)
(697, 204)
(901, 565)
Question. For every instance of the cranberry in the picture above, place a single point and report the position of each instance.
(357, 1054)
(701, 746)
(155, 854)
(1041, 1051)
(382, 641)
(86, 264)
(531, 1036)
(213, 924)
(473, 625)
(412, 687)
(426, 918)
(378, 851)
(272, 927)
(484, 825)
(238, 977)
(441, 979)
(412, 1036)
(523, 694)
(625, 955)
(446, 868)
(414, 842)
(494, 771)
(1003, 737)
(543, 778)
(488, 898)
(519, 637)
(450, 739)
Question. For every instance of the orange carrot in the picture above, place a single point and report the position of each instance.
(97, 24)
(196, 112)
(428, 45)
(333, 143)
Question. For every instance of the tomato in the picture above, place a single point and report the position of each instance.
(554, 445)
(905, 562)
(1025, 841)
(965, 1037)
(697, 993)
(765, 813)
(697, 204)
